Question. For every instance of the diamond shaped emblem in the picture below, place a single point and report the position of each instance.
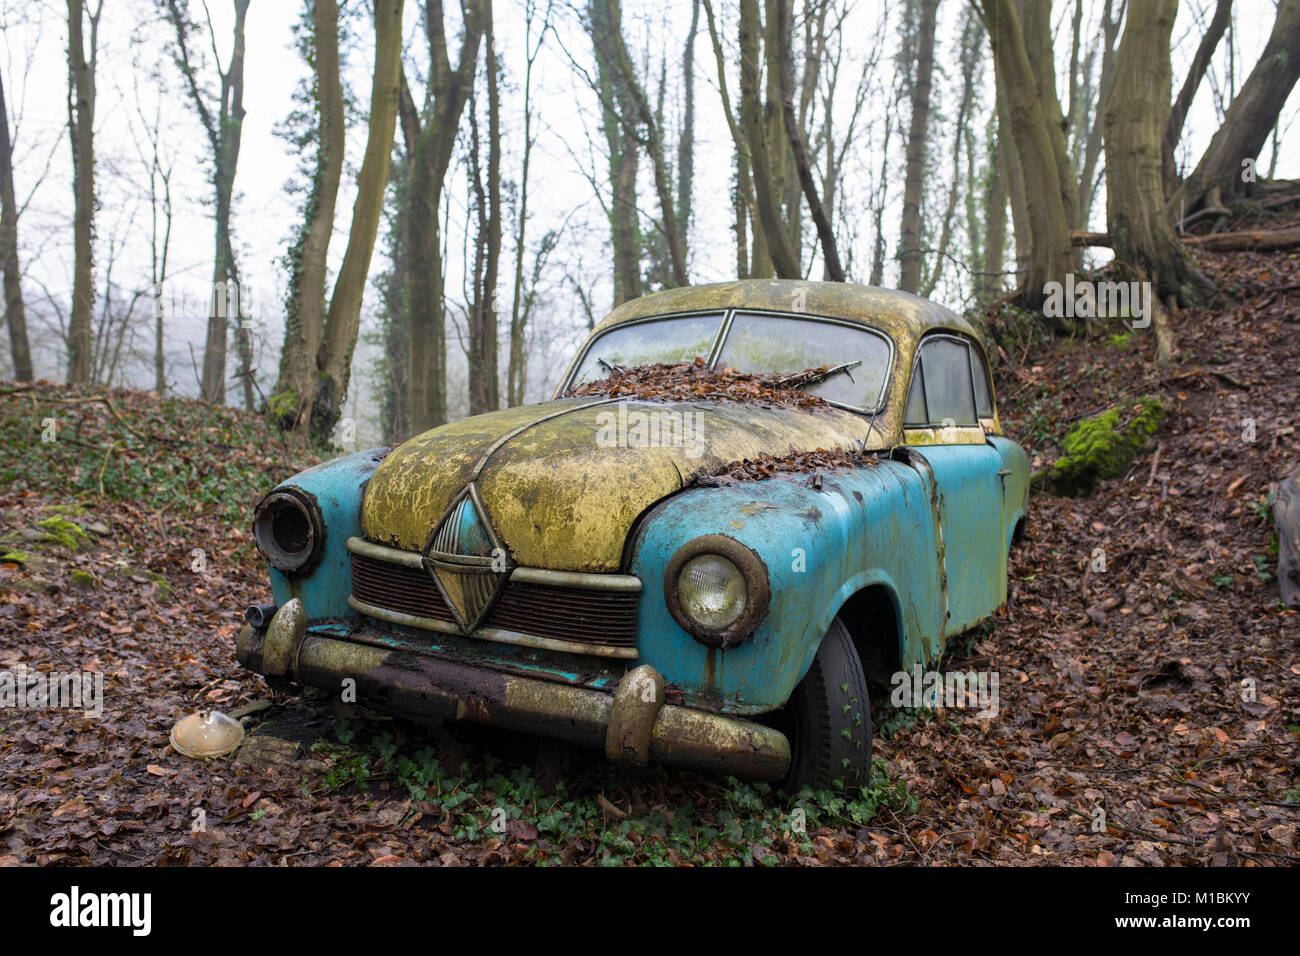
(467, 560)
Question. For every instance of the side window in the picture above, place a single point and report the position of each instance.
(983, 391)
(945, 385)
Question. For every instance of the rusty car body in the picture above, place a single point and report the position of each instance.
(513, 570)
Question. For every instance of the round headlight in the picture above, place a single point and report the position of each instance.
(711, 591)
(288, 530)
(717, 590)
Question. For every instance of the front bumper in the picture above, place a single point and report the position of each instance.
(632, 725)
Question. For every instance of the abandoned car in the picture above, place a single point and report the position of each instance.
(585, 568)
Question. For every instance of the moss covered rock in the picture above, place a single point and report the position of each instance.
(1101, 447)
(62, 532)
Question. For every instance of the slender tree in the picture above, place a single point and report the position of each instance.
(766, 151)
(222, 122)
(910, 256)
(521, 302)
(483, 383)
(15, 315)
(971, 44)
(304, 326)
(431, 141)
(343, 320)
(1110, 24)
(802, 163)
(81, 136)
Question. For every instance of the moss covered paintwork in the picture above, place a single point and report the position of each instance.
(556, 497)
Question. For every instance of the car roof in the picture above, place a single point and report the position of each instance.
(904, 316)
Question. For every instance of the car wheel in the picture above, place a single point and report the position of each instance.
(828, 720)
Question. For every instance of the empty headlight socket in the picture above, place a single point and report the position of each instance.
(289, 511)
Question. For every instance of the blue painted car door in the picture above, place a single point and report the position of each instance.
(942, 423)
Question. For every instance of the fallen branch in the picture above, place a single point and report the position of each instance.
(1079, 237)
(1253, 240)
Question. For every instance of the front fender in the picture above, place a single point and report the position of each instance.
(864, 526)
(336, 487)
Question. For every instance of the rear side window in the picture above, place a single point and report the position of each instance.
(983, 391)
(950, 384)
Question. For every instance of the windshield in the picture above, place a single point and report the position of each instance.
(766, 345)
(783, 344)
(644, 343)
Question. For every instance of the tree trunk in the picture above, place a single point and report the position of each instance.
(1228, 162)
(1037, 27)
(746, 213)
(483, 387)
(686, 142)
(81, 132)
(909, 278)
(1014, 177)
(224, 128)
(15, 316)
(517, 371)
(1200, 63)
(295, 392)
(618, 110)
(754, 120)
(803, 167)
(1092, 148)
(1135, 117)
(996, 223)
(1050, 253)
(334, 357)
(971, 38)
(430, 156)
(633, 107)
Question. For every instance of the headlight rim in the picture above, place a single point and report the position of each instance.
(753, 572)
(295, 564)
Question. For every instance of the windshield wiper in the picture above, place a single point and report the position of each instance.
(609, 365)
(813, 376)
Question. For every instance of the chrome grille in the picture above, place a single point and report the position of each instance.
(580, 615)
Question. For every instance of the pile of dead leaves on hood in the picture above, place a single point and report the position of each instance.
(767, 466)
(694, 381)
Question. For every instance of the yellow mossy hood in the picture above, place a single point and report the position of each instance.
(564, 481)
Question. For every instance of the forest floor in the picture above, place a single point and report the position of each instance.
(1148, 711)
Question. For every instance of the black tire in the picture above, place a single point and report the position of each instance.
(828, 720)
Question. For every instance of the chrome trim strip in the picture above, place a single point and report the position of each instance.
(496, 635)
(368, 549)
(588, 580)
